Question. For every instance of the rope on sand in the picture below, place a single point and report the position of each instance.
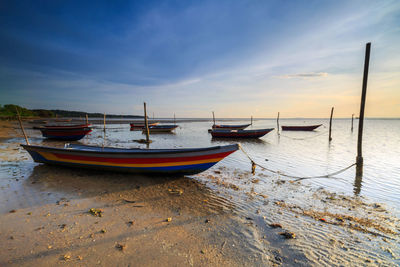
(298, 178)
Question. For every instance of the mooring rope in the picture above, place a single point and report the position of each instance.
(303, 138)
(298, 178)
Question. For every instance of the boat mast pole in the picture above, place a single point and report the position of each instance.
(22, 127)
(362, 106)
(330, 125)
(146, 124)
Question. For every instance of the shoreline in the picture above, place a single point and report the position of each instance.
(215, 221)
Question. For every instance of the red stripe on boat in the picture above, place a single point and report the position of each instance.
(142, 160)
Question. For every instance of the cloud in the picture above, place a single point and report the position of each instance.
(309, 75)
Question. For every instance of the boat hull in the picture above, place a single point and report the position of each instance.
(240, 133)
(231, 127)
(162, 128)
(300, 128)
(66, 134)
(141, 161)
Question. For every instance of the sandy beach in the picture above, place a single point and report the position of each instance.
(59, 216)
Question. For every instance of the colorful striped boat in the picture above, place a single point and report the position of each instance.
(65, 132)
(223, 133)
(300, 128)
(231, 127)
(147, 161)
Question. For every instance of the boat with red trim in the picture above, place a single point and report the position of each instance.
(224, 133)
(300, 128)
(231, 127)
(145, 161)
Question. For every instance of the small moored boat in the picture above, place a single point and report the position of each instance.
(148, 161)
(223, 133)
(231, 127)
(300, 128)
(162, 128)
(65, 132)
(141, 124)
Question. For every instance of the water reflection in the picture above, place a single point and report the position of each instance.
(358, 179)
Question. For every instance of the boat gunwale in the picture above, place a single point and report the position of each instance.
(135, 151)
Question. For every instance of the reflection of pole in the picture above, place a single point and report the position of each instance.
(213, 117)
(358, 180)
(352, 118)
(146, 124)
(362, 107)
(277, 123)
(330, 126)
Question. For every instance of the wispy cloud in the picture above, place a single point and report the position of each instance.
(309, 75)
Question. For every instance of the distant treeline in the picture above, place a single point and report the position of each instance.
(10, 110)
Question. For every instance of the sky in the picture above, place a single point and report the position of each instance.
(237, 58)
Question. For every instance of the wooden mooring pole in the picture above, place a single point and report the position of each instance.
(352, 118)
(277, 123)
(87, 119)
(174, 119)
(359, 158)
(251, 121)
(213, 117)
(146, 124)
(22, 127)
(330, 125)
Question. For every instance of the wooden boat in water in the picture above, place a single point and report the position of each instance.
(65, 132)
(300, 128)
(231, 127)
(224, 133)
(141, 124)
(162, 128)
(147, 161)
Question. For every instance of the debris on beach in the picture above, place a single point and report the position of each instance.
(288, 235)
(275, 225)
(96, 212)
(103, 231)
(168, 219)
(12, 211)
(175, 191)
(66, 257)
(130, 223)
(121, 247)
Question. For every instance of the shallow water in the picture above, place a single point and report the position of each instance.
(297, 153)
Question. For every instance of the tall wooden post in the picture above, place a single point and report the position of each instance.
(362, 106)
(104, 124)
(174, 119)
(146, 124)
(352, 118)
(277, 123)
(330, 125)
(87, 119)
(213, 117)
(22, 127)
(251, 121)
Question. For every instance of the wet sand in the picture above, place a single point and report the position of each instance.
(209, 219)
